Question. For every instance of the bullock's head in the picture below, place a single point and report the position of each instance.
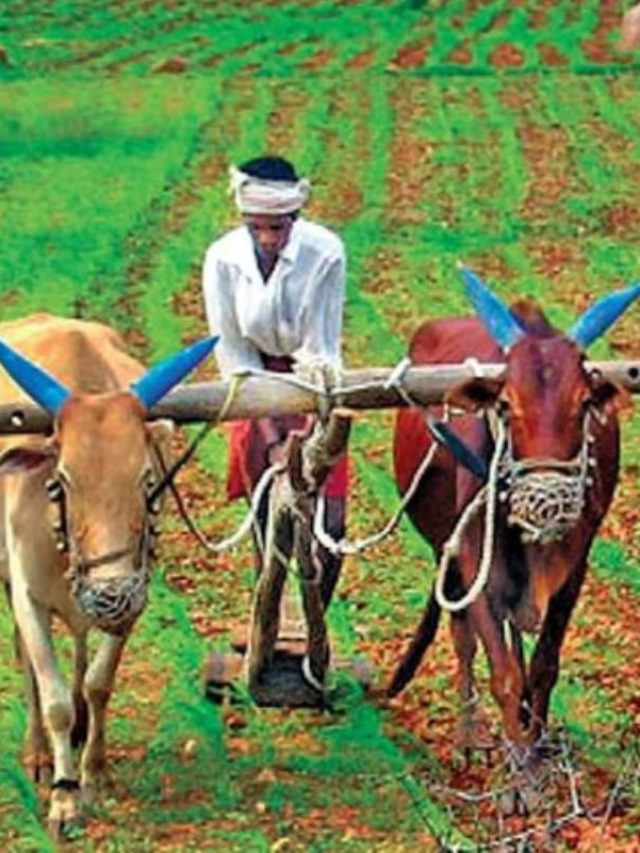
(545, 403)
(105, 458)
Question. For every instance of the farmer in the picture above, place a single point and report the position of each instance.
(274, 291)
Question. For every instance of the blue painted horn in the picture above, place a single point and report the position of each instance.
(51, 394)
(38, 384)
(601, 315)
(164, 376)
(494, 314)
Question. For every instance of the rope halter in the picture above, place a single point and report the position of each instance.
(112, 603)
(546, 497)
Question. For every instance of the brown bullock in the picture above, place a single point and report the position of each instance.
(549, 440)
(78, 514)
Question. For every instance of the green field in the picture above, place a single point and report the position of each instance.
(503, 134)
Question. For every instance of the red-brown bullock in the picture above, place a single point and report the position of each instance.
(78, 514)
(549, 440)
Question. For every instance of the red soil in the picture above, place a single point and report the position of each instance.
(507, 55)
(413, 55)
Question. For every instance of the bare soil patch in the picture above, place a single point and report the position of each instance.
(412, 55)
(507, 55)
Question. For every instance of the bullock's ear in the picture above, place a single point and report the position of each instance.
(23, 460)
(160, 434)
(609, 397)
(161, 431)
(474, 395)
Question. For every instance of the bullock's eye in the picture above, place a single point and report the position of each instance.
(502, 407)
(148, 480)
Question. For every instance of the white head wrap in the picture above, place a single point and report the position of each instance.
(257, 195)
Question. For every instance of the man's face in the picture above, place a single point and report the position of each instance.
(269, 232)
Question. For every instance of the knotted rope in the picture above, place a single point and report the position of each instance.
(345, 546)
(487, 495)
(546, 499)
(547, 496)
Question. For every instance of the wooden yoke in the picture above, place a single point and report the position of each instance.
(272, 394)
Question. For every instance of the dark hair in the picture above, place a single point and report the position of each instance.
(270, 169)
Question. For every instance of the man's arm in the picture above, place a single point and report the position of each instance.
(233, 351)
(323, 314)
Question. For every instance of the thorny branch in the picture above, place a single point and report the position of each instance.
(559, 800)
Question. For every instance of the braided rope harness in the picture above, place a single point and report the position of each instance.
(111, 603)
(545, 497)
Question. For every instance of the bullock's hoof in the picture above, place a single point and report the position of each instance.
(475, 734)
(510, 804)
(64, 821)
(65, 830)
(379, 695)
(91, 791)
(527, 782)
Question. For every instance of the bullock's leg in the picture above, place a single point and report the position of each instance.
(474, 728)
(56, 704)
(98, 685)
(16, 637)
(80, 719)
(507, 680)
(37, 755)
(545, 663)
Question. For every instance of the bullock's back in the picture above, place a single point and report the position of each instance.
(85, 356)
(447, 340)
(453, 339)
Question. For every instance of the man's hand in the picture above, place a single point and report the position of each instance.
(319, 371)
(277, 454)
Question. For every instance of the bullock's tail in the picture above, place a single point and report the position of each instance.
(422, 639)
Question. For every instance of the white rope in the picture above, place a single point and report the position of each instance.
(452, 546)
(474, 365)
(345, 546)
(337, 392)
(309, 677)
(287, 378)
(252, 514)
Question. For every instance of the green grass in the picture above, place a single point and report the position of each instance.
(113, 183)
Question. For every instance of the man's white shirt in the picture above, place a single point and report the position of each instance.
(297, 312)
